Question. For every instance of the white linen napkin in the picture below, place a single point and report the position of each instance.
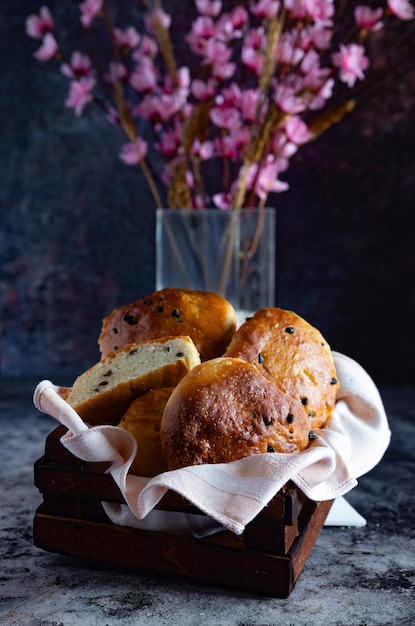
(232, 494)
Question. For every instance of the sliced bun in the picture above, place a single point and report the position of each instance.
(102, 394)
(294, 355)
(209, 319)
(224, 410)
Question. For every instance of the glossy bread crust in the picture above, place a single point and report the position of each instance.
(224, 410)
(294, 355)
(143, 420)
(207, 318)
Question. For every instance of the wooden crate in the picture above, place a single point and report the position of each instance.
(267, 558)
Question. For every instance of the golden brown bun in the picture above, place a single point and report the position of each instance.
(224, 410)
(142, 420)
(207, 318)
(102, 394)
(294, 355)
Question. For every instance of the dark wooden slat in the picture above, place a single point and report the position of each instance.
(194, 559)
(267, 558)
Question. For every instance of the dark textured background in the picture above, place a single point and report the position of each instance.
(76, 224)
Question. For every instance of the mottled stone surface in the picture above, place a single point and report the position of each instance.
(354, 577)
(77, 225)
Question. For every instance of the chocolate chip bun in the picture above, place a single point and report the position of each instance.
(102, 394)
(209, 319)
(294, 355)
(142, 420)
(224, 410)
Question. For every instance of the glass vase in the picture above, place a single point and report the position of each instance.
(231, 253)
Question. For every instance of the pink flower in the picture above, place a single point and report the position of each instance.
(48, 49)
(203, 90)
(157, 16)
(203, 149)
(255, 38)
(89, 10)
(249, 104)
(230, 96)
(148, 47)
(264, 8)
(252, 55)
(352, 62)
(134, 152)
(148, 108)
(402, 9)
(297, 8)
(216, 52)
(226, 117)
(80, 65)
(266, 181)
(253, 59)
(314, 75)
(80, 93)
(183, 83)
(212, 8)
(128, 38)
(169, 105)
(169, 144)
(223, 200)
(288, 51)
(297, 130)
(220, 74)
(117, 73)
(203, 29)
(289, 101)
(322, 95)
(144, 77)
(38, 25)
(368, 19)
(314, 36)
(321, 11)
(229, 146)
(239, 17)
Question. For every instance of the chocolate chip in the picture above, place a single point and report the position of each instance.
(267, 419)
(179, 354)
(311, 414)
(175, 313)
(304, 401)
(333, 381)
(131, 319)
(133, 351)
(115, 331)
(160, 309)
(109, 373)
(290, 330)
(311, 435)
(148, 302)
(270, 449)
(103, 383)
(290, 418)
(261, 358)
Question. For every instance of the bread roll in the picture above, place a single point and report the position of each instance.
(294, 355)
(207, 318)
(224, 410)
(142, 420)
(102, 394)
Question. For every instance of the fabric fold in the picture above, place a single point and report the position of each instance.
(232, 494)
